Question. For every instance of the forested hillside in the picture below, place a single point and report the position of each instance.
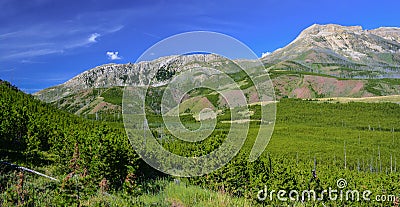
(78, 152)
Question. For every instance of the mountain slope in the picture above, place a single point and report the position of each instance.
(343, 51)
(109, 75)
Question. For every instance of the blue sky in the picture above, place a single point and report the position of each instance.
(46, 42)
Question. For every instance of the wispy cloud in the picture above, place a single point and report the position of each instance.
(9, 34)
(27, 61)
(71, 30)
(115, 29)
(31, 53)
(151, 35)
(93, 37)
(51, 37)
(113, 56)
(7, 70)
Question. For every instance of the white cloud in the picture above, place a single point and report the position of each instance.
(115, 29)
(265, 54)
(93, 37)
(113, 56)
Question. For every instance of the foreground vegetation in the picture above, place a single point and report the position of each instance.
(96, 166)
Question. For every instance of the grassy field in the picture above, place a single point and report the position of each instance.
(355, 141)
(374, 99)
(358, 142)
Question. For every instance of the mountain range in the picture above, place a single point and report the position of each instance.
(324, 61)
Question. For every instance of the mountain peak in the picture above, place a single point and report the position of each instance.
(328, 29)
(389, 33)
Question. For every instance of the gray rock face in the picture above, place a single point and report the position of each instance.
(389, 33)
(138, 74)
(346, 52)
(132, 74)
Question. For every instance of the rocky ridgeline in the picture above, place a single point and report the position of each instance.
(137, 74)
